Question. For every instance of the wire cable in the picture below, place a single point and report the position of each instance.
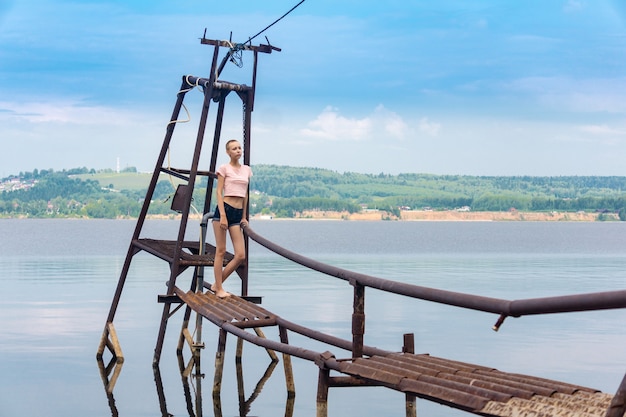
(192, 86)
(275, 21)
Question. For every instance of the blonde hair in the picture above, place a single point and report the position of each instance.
(231, 141)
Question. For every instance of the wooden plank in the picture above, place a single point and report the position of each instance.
(448, 396)
(473, 388)
(374, 367)
(117, 349)
(233, 309)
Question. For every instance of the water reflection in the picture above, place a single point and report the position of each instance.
(245, 405)
(109, 375)
(192, 378)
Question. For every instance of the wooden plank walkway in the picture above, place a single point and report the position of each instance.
(476, 389)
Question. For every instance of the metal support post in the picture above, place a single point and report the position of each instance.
(358, 320)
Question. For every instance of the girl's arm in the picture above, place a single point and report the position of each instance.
(220, 198)
(245, 199)
(244, 218)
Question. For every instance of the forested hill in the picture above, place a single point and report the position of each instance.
(283, 191)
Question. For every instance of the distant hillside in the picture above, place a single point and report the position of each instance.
(284, 191)
(131, 180)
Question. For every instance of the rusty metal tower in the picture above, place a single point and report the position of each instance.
(178, 252)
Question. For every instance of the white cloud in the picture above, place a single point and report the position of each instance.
(428, 127)
(481, 23)
(391, 123)
(535, 40)
(63, 112)
(573, 6)
(578, 95)
(331, 125)
(602, 130)
(69, 133)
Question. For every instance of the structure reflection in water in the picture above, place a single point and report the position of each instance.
(191, 379)
(109, 374)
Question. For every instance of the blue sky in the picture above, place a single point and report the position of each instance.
(448, 87)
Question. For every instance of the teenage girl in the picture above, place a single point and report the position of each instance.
(230, 214)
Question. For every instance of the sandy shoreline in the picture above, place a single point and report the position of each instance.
(424, 215)
(449, 215)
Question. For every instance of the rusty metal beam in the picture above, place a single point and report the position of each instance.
(266, 49)
(358, 320)
(617, 408)
(516, 308)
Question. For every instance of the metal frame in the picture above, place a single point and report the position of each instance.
(179, 253)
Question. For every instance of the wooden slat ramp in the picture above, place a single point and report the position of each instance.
(472, 388)
(478, 389)
(233, 309)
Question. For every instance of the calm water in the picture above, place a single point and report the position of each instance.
(58, 279)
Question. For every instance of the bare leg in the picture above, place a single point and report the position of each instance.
(236, 235)
(220, 250)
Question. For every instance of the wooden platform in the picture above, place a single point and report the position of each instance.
(189, 255)
(233, 309)
(476, 389)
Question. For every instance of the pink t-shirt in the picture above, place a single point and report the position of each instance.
(235, 179)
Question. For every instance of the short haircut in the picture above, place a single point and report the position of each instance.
(229, 142)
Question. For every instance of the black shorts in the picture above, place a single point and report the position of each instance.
(233, 215)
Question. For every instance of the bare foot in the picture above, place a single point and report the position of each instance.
(212, 288)
(222, 294)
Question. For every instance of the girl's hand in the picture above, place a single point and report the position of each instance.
(224, 223)
(243, 222)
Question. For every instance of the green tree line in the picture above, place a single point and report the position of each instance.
(285, 191)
